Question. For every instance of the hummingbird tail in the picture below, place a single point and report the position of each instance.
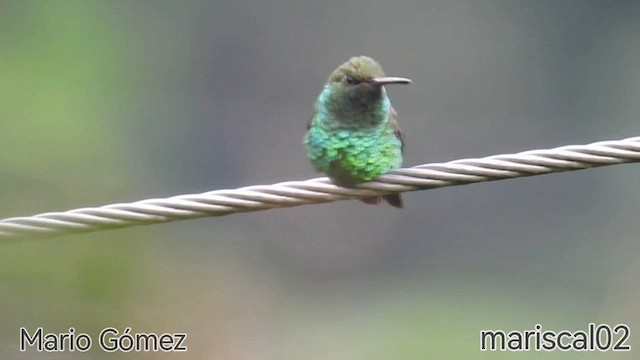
(393, 199)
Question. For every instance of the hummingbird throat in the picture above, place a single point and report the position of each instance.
(355, 108)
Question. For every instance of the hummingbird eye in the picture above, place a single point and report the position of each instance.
(350, 80)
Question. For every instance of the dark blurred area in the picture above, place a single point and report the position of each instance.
(116, 101)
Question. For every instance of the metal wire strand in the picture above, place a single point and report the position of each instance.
(321, 190)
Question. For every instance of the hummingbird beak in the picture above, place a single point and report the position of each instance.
(389, 80)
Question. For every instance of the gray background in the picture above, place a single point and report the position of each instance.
(104, 102)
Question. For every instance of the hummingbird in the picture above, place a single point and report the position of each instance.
(353, 135)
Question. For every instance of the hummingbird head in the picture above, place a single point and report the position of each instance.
(358, 85)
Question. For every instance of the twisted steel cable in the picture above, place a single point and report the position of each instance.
(321, 190)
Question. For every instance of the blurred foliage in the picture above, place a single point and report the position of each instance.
(59, 126)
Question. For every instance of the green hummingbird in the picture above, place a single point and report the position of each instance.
(353, 135)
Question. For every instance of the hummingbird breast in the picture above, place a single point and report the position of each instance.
(355, 149)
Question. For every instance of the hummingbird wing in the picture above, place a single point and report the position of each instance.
(313, 114)
(393, 199)
(393, 120)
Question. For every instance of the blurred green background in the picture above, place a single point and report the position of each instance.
(115, 101)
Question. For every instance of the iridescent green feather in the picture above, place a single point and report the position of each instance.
(353, 154)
